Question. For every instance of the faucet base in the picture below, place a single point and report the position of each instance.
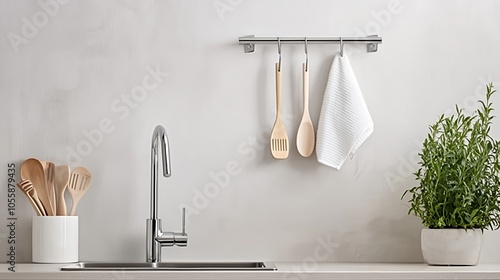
(156, 239)
(153, 248)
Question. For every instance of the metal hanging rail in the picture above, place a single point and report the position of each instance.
(371, 41)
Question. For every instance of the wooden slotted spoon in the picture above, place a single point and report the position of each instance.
(32, 169)
(61, 182)
(79, 183)
(305, 134)
(279, 138)
(27, 188)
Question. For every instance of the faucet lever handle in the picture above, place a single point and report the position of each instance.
(183, 220)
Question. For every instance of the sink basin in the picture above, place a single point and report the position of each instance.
(180, 266)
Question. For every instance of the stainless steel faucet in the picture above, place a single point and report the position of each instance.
(155, 237)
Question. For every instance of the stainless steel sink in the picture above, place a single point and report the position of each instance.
(179, 266)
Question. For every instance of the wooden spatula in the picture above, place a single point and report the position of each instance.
(279, 138)
(61, 182)
(79, 183)
(50, 171)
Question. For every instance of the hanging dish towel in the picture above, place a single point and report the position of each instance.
(344, 122)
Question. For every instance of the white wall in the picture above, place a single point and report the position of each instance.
(217, 104)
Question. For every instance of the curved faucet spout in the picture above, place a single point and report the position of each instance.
(159, 137)
(155, 237)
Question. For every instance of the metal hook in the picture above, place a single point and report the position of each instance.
(341, 47)
(279, 53)
(307, 55)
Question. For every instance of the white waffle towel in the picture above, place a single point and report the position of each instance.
(344, 122)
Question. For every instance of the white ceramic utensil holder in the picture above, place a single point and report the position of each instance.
(55, 239)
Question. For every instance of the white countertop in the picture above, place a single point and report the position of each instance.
(286, 271)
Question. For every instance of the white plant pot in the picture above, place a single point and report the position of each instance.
(451, 246)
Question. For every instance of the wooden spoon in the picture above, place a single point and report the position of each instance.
(32, 170)
(305, 134)
(44, 164)
(279, 138)
(79, 183)
(61, 179)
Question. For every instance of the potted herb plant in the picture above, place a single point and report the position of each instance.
(458, 195)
